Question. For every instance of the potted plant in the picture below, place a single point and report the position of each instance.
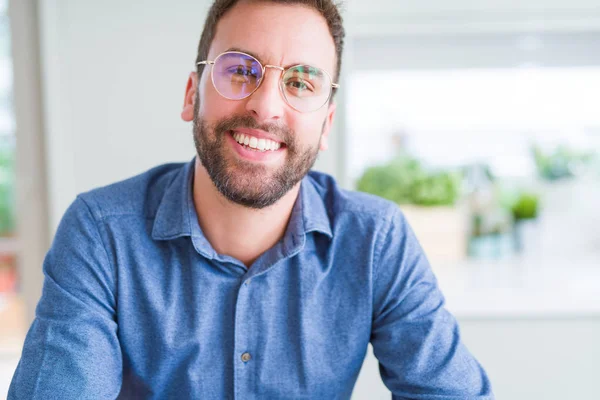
(430, 201)
(491, 220)
(525, 213)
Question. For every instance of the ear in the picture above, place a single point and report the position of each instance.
(327, 127)
(187, 114)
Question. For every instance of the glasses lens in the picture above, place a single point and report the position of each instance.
(236, 75)
(306, 88)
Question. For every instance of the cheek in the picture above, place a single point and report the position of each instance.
(213, 106)
(308, 128)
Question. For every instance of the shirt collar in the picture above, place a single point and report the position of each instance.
(172, 218)
(312, 204)
(176, 215)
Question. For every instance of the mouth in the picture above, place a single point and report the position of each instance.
(254, 148)
(253, 143)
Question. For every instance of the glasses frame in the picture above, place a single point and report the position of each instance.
(264, 70)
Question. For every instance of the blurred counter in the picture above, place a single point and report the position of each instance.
(523, 287)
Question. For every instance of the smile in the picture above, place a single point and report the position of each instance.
(255, 143)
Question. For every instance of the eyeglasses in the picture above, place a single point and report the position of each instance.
(236, 75)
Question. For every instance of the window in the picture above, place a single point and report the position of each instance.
(522, 109)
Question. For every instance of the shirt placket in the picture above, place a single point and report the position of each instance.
(244, 356)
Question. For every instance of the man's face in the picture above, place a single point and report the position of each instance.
(282, 35)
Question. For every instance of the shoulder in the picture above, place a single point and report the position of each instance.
(358, 214)
(139, 195)
(366, 224)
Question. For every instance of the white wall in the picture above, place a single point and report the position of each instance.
(382, 17)
(31, 190)
(115, 75)
(426, 9)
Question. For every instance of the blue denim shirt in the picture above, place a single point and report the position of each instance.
(137, 304)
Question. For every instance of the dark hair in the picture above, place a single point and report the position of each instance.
(327, 8)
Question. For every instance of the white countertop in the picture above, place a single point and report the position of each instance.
(551, 287)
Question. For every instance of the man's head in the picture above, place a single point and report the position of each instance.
(278, 33)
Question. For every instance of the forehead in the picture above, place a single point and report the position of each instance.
(278, 34)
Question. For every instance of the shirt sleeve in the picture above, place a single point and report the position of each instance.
(71, 350)
(415, 339)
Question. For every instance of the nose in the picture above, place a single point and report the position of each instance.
(266, 103)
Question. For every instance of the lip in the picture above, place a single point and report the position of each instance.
(253, 155)
(257, 134)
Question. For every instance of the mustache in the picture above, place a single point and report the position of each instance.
(283, 133)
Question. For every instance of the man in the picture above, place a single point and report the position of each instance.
(240, 274)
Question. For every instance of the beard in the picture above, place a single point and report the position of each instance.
(243, 182)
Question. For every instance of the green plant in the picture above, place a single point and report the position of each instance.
(562, 162)
(406, 181)
(526, 206)
(436, 189)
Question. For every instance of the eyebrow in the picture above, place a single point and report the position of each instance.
(240, 50)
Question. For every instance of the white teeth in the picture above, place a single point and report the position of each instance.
(261, 144)
(255, 143)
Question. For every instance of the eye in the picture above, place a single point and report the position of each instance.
(242, 70)
(299, 85)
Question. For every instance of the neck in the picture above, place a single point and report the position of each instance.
(235, 230)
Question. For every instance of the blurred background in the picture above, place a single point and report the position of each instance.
(480, 119)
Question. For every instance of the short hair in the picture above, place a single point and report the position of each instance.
(327, 8)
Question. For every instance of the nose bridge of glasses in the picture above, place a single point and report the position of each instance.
(276, 67)
(281, 70)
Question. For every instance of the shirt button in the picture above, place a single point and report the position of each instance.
(246, 357)
(247, 282)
